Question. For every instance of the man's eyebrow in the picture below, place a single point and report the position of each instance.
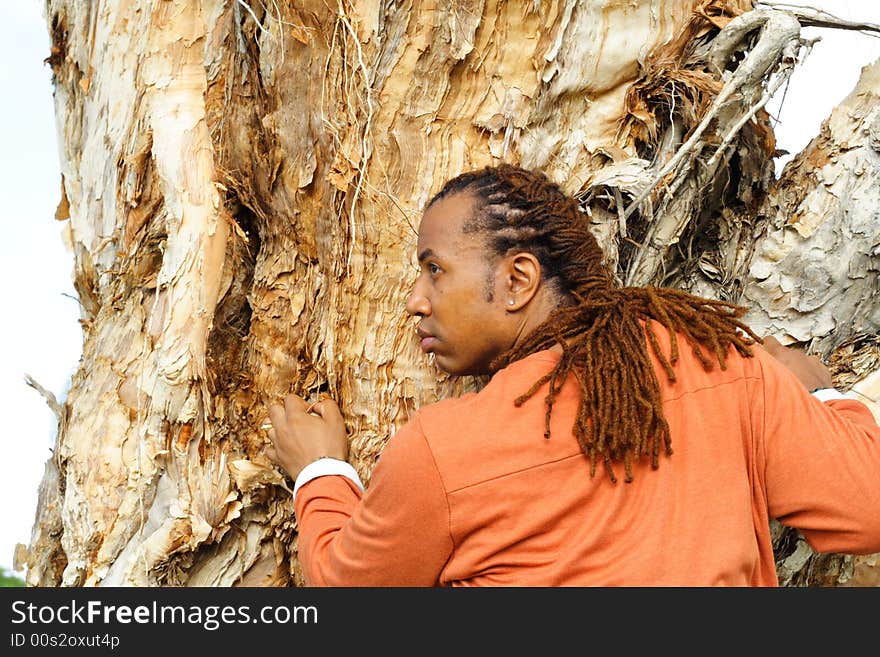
(427, 253)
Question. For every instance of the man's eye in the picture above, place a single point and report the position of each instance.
(433, 269)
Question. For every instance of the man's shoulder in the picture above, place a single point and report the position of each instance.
(504, 386)
(697, 366)
(440, 412)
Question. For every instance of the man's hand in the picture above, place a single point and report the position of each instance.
(302, 433)
(808, 369)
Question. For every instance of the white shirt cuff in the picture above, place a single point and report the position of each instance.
(326, 466)
(827, 394)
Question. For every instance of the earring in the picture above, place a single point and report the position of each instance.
(510, 302)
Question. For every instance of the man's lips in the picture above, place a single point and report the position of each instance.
(426, 341)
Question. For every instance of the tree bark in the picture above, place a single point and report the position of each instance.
(813, 279)
(242, 184)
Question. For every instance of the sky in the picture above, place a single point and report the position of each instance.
(41, 335)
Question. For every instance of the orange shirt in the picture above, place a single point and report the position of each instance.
(470, 492)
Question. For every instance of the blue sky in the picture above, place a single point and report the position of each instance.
(41, 335)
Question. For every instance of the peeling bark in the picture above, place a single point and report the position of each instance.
(813, 280)
(814, 276)
(243, 184)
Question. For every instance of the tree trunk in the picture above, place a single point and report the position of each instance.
(242, 185)
(814, 278)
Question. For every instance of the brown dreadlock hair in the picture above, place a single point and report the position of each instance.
(600, 326)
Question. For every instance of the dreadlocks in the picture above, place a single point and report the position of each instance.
(601, 328)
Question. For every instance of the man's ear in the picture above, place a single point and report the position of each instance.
(523, 277)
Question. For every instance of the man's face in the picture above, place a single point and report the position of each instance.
(459, 294)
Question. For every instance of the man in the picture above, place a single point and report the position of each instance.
(501, 487)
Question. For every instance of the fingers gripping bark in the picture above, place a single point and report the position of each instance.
(302, 433)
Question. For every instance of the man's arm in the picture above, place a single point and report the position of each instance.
(821, 460)
(396, 534)
(809, 370)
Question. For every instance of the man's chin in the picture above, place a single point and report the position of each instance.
(448, 365)
(456, 369)
(443, 364)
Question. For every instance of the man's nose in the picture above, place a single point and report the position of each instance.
(417, 303)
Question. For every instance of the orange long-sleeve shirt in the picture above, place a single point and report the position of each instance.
(470, 492)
